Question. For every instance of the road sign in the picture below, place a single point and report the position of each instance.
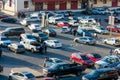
(111, 20)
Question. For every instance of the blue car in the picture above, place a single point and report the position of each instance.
(84, 32)
(102, 74)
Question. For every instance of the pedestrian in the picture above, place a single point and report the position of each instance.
(0, 51)
(41, 50)
(18, 15)
(44, 47)
(45, 60)
(111, 51)
(74, 32)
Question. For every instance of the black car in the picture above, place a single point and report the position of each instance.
(102, 74)
(9, 20)
(50, 32)
(63, 69)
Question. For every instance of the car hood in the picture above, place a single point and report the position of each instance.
(102, 63)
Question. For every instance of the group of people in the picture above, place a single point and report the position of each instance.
(21, 15)
(43, 48)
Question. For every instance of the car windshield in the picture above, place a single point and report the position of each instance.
(56, 42)
(97, 56)
(37, 26)
(41, 35)
(35, 43)
(54, 66)
(51, 30)
(94, 73)
(4, 39)
(58, 60)
(20, 46)
(84, 57)
(30, 76)
(30, 36)
(102, 28)
(90, 39)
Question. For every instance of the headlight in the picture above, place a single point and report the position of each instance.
(83, 78)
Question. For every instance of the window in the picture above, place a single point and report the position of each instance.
(10, 3)
(104, 1)
(95, 1)
(25, 4)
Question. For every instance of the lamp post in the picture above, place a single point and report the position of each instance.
(111, 22)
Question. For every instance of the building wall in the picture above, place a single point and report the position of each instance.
(9, 8)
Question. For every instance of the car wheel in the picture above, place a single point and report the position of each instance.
(76, 40)
(87, 43)
(10, 78)
(32, 50)
(73, 61)
(78, 73)
(105, 42)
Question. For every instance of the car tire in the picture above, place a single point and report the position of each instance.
(10, 78)
(105, 42)
(76, 40)
(87, 43)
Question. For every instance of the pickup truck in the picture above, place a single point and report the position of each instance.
(1, 68)
(63, 69)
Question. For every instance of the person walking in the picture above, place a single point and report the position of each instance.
(44, 48)
(111, 51)
(74, 32)
(41, 50)
(45, 60)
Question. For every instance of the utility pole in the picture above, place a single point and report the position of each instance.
(111, 22)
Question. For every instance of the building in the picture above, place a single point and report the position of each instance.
(36, 5)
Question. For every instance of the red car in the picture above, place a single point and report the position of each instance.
(113, 28)
(61, 24)
(93, 57)
(82, 59)
(3, 16)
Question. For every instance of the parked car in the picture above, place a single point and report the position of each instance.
(52, 61)
(62, 23)
(65, 29)
(101, 74)
(33, 46)
(16, 47)
(27, 37)
(21, 76)
(3, 16)
(4, 41)
(115, 28)
(9, 20)
(73, 23)
(40, 36)
(85, 40)
(117, 51)
(34, 26)
(15, 31)
(101, 30)
(107, 61)
(118, 68)
(63, 69)
(93, 56)
(82, 59)
(84, 32)
(53, 43)
(49, 32)
(112, 41)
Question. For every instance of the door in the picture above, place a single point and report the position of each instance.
(74, 4)
(114, 3)
(51, 6)
(62, 5)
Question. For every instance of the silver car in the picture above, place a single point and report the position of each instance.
(85, 40)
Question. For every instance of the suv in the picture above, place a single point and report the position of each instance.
(16, 31)
(33, 46)
(102, 74)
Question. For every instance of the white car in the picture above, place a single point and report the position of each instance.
(101, 30)
(34, 26)
(4, 41)
(107, 61)
(65, 29)
(53, 43)
(23, 75)
(117, 51)
(73, 23)
(52, 61)
(27, 37)
(112, 41)
(89, 20)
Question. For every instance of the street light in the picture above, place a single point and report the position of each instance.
(111, 22)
